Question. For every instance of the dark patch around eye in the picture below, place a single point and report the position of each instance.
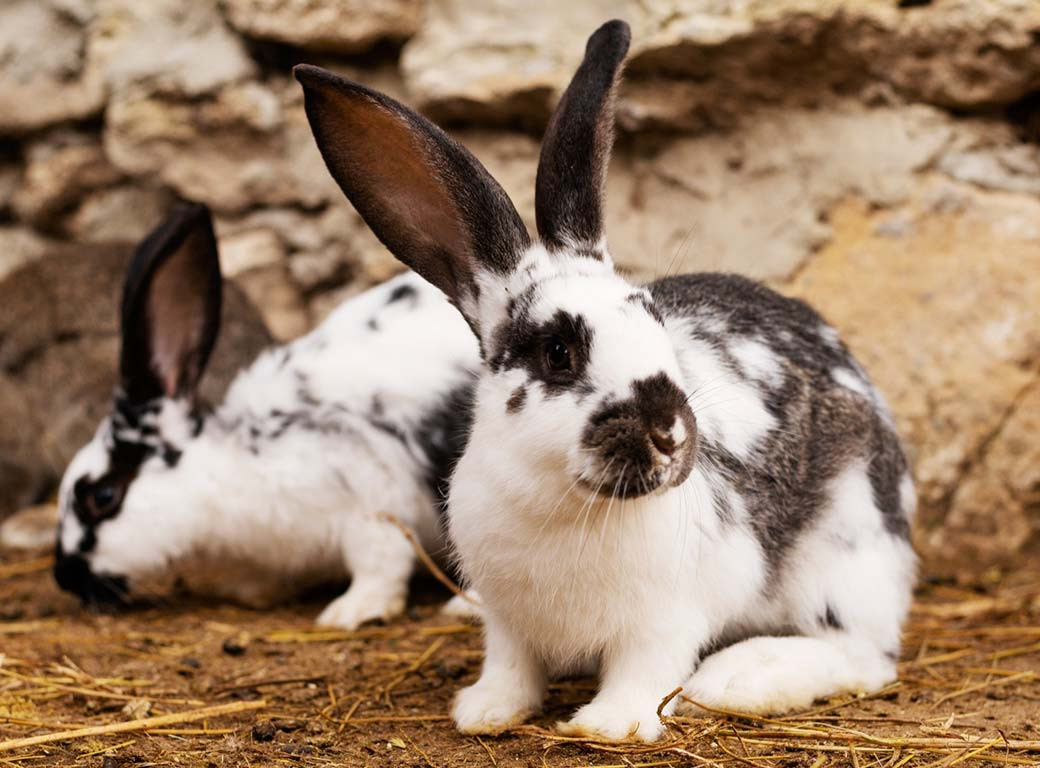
(521, 344)
(135, 439)
(516, 400)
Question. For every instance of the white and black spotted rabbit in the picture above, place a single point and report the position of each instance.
(293, 478)
(691, 477)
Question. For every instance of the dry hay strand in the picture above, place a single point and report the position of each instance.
(143, 724)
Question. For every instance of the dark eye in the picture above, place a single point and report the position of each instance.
(557, 355)
(104, 498)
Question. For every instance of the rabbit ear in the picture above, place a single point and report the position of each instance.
(576, 148)
(171, 307)
(425, 196)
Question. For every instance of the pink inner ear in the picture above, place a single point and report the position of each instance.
(177, 317)
(391, 175)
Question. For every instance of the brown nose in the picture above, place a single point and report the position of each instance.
(664, 441)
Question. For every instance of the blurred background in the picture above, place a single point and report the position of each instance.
(878, 158)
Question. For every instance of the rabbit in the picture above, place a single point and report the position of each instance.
(689, 483)
(302, 475)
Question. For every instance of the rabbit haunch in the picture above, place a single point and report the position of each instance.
(293, 479)
(690, 482)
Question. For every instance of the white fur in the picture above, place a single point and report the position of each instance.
(309, 505)
(634, 588)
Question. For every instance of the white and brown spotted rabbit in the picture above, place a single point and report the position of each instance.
(690, 482)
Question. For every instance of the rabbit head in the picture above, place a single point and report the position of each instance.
(169, 322)
(579, 369)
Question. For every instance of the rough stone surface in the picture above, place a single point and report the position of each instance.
(342, 26)
(19, 246)
(44, 75)
(256, 259)
(697, 65)
(59, 171)
(167, 45)
(247, 145)
(126, 212)
(952, 361)
(58, 367)
(995, 511)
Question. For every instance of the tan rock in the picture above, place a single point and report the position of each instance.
(279, 300)
(755, 201)
(246, 146)
(19, 246)
(168, 46)
(59, 171)
(250, 249)
(342, 26)
(920, 312)
(697, 65)
(500, 61)
(30, 528)
(996, 508)
(126, 212)
(45, 77)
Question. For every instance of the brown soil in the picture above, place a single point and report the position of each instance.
(968, 692)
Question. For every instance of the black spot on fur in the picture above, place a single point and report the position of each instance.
(373, 324)
(516, 400)
(886, 470)
(442, 436)
(829, 619)
(402, 292)
(644, 301)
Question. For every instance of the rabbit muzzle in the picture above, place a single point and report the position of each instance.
(643, 443)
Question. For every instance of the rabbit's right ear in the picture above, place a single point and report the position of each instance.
(425, 196)
(171, 307)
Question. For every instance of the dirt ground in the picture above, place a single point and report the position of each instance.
(286, 693)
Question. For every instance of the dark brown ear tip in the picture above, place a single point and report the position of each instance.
(309, 75)
(313, 78)
(611, 40)
(185, 218)
(197, 214)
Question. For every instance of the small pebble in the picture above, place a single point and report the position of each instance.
(234, 646)
(264, 731)
(451, 669)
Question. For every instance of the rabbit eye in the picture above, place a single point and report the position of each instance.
(557, 355)
(104, 499)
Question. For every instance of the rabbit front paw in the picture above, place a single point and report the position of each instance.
(488, 708)
(613, 722)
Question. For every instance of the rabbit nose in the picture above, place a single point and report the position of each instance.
(668, 441)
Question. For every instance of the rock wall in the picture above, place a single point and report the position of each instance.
(879, 158)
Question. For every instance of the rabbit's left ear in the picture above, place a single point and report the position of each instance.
(424, 195)
(576, 148)
(171, 307)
